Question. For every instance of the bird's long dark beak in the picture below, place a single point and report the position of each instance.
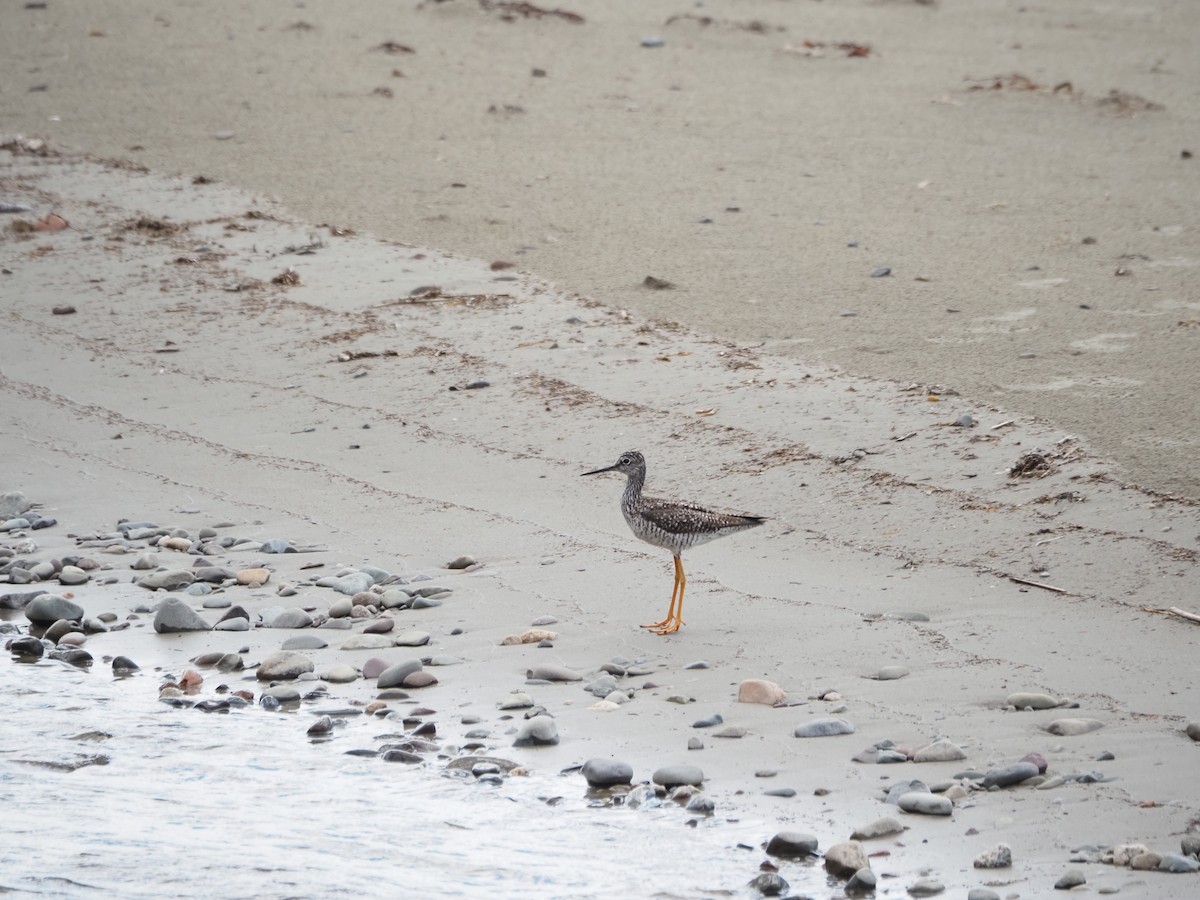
(598, 471)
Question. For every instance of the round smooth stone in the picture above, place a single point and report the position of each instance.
(792, 844)
(602, 773)
(1073, 727)
(925, 804)
(672, 776)
(1009, 775)
(824, 728)
(536, 732)
(1028, 700)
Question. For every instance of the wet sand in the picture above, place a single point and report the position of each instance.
(908, 527)
(1024, 171)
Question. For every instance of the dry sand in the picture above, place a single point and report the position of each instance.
(1004, 212)
(185, 379)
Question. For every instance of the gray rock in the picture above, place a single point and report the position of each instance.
(284, 693)
(72, 575)
(1193, 731)
(891, 673)
(926, 804)
(1176, 862)
(1190, 845)
(846, 858)
(708, 721)
(284, 664)
(792, 844)
(412, 638)
(340, 608)
(1027, 700)
(879, 828)
(14, 503)
(999, 857)
(861, 881)
(672, 776)
(292, 618)
(824, 728)
(516, 700)
(1009, 775)
(1070, 879)
(368, 642)
(350, 584)
(926, 887)
(602, 686)
(769, 884)
(341, 673)
(537, 732)
(304, 642)
(145, 562)
(277, 545)
(27, 645)
(173, 615)
(234, 624)
(46, 609)
(940, 751)
(378, 575)
(123, 665)
(394, 675)
(550, 672)
(982, 894)
(900, 788)
(213, 574)
(168, 580)
(1073, 727)
(602, 773)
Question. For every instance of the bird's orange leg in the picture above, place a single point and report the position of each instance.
(675, 614)
(676, 591)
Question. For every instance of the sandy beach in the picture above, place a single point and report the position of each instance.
(274, 314)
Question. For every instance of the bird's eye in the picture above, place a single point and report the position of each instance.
(625, 460)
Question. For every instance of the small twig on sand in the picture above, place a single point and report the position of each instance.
(1173, 611)
(1038, 584)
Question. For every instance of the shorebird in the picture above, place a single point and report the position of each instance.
(670, 524)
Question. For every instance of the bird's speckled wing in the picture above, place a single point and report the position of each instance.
(674, 517)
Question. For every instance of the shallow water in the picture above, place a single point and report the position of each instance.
(244, 805)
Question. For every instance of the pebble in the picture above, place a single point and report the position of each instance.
(879, 828)
(999, 857)
(382, 625)
(461, 562)
(419, 679)
(368, 642)
(46, 609)
(304, 642)
(607, 772)
(731, 731)
(166, 580)
(926, 887)
(1178, 863)
(694, 743)
(535, 732)
(173, 615)
(123, 665)
(699, 664)
(394, 675)
(1193, 730)
(759, 690)
(349, 584)
(925, 804)
(792, 844)
(1025, 700)
(1073, 727)
(982, 894)
(862, 881)
(27, 646)
(671, 776)
(1009, 775)
(785, 792)
(543, 621)
(550, 672)
(255, 577)
(320, 728)
(1190, 845)
(1070, 879)
(940, 751)
(292, 618)
(277, 545)
(55, 632)
(516, 700)
(708, 721)
(769, 884)
(284, 664)
(412, 638)
(602, 686)
(890, 673)
(341, 673)
(846, 858)
(1037, 759)
(824, 728)
(72, 575)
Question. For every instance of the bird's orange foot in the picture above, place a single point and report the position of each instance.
(670, 626)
